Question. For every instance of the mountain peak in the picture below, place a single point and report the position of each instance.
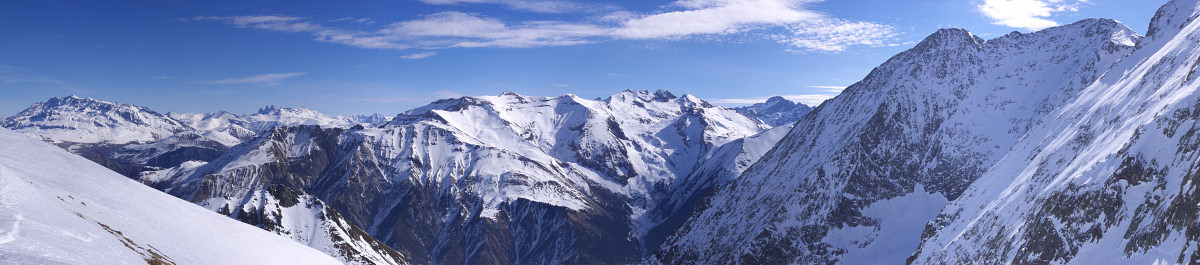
(86, 120)
(269, 109)
(949, 37)
(73, 100)
(777, 99)
(660, 95)
(775, 111)
(1173, 17)
(663, 95)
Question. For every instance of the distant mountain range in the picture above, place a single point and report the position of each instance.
(610, 177)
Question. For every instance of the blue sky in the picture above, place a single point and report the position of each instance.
(357, 57)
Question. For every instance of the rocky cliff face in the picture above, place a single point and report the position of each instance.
(1108, 178)
(861, 175)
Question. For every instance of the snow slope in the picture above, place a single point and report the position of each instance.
(917, 131)
(56, 207)
(1109, 178)
(86, 126)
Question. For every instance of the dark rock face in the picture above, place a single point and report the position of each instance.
(190, 153)
(269, 195)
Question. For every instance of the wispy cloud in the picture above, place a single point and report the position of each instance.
(1027, 14)
(419, 55)
(367, 21)
(803, 28)
(265, 79)
(290, 24)
(789, 22)
(542, 6)
(162, 77)
(457, 29)
(830, 89)
(13, 74)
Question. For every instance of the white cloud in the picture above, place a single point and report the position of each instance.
(323, 33)
(785, 21)
(419, 55)
(266, 79)
(804, 29)
(715, 17)
(457, 29)
(1026, 14)
(448, 94)
(835, 35)
(542, 6)
(810, 99)
(355, 20)
(831, 89)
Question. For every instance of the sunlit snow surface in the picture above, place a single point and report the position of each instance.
(56, 207)
(910, 136)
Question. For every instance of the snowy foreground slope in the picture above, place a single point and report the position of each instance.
(56, 207)
(506, 179)
(137, 142)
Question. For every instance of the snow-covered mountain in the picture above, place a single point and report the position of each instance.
(246, 127)
(131, 139)
(496, 179)
(1109, 178)
(84, 120)
(102, 132)
(776, 111)
(58, 208)
(861, 175)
